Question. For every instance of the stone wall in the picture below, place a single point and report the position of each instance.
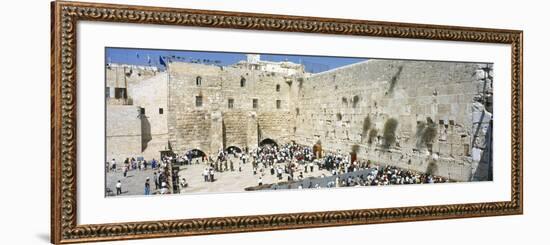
(334, 106)
(120, 75)
(235, 124)
(146, 91)
(151, 94)
(123, 132)
(275, 126)
(227, 95)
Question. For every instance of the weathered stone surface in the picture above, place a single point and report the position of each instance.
(123, 132)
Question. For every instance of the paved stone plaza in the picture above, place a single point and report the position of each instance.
(228, 181)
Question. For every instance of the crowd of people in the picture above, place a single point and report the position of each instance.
(347, 173)
(288, 162)
(379, 176)
(130, 164)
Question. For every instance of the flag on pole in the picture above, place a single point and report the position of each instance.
(161, 61)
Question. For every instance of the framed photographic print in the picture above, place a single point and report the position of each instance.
(221, 122)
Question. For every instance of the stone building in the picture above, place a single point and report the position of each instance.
(136, 106)
(420, 115)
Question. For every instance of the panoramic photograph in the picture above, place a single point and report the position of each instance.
(196, 122)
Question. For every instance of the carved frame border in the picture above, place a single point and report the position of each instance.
(64, 18)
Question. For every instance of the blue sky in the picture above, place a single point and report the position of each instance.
(132, 56)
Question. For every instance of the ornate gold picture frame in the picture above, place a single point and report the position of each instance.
(64, 108)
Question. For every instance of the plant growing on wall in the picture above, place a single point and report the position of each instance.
(389, 132)
(425, 132)
(300, 82)
(355, 101)
(366, 127)
(393, 80)
(373, 133)
(355, 148)
(432, 167)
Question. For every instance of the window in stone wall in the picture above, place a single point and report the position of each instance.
(278, 88)
(199, 81)
(198, 101)
(243, 82)
(278, 102)
(120, 93)
(230, 103)
(255, 103)
(161, 111)
(297, 111)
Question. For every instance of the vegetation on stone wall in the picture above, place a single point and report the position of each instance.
(355, 101)
(425, 132)
(366, 127)
(389, 132)
(373, 133)
(394, 79)
(432, 167)
(355, 148)
(300, 82)
(339, 116)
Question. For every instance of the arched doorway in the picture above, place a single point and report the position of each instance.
(195, 155)
(318, 150)
(268, 142)
(233, 149)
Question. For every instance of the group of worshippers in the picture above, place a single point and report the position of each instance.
(191, 157)
(131, 163)
(291, 159)
(391, 175)
(223, 163)
(160, 177)
(382, 175)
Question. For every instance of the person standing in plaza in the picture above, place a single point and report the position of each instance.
(260, 181)
(206, 173)
(147, 187)
(125, 169)
(156, 180)
(113, 165)
(211, 174)
(118, 188)
(164, 188)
